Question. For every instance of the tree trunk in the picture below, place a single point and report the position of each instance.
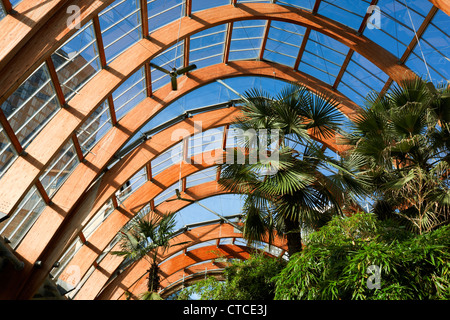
(153, 278)
(293, 236)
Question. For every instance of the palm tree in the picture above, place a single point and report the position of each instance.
(304, 187)
(404, 138)
(147, 238)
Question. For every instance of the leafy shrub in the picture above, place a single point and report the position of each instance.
(334, 263)
(251, 279)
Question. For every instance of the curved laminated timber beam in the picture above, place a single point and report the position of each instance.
(25, 170)
(69, 194)
(187, 277)
(132, 274)
(110, 263)
(443, 5)
(175, 267)
(95, 161)
(22, 23)
(106, 268)
(99, 240)
(96, 91)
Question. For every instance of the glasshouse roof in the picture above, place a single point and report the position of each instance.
(102, 103)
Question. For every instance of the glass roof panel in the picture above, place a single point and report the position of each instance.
(77, 60)
(120, 25)
(225, 205)
(301, 4)
(64, 261)
(347, 12)
(246, 39)
(360, 77)
(168, 158)
(31, 106)
(166, 194)
(59, 169)
(7, 152)
(130, 93)
(200, 177)
(14, 3)
(163, 12)
(98, 218)
(2, 11)
(398, 23)
(23, 218)
(435, 48)
(205, 141)
(283, 42)
(206, 47)
(131, 185)
(198, 5)
(323, 57)
(94, 128)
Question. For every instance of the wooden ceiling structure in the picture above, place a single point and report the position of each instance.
(33, 30)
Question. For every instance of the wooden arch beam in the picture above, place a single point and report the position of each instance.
(101, 275)
(132, 274)
(95, 92)
(20, 25)
(190, 275)
(184, 261)
(443, 5)
(49, 30)
(26, 169)
(69, 194)
(105, 233)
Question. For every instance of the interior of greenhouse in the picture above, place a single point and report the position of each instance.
(224, 150)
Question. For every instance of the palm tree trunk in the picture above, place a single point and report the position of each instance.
(153, 278)
(293, 236)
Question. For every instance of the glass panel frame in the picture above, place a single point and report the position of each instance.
(32, 105)
(17, 226)
(60, 169)
(77, 60)
(121, 27)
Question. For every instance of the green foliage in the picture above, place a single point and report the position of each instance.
(335, 262)
(150, 295)
(145, 238)
(251, 279)
(403, 138)
(303, 186)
